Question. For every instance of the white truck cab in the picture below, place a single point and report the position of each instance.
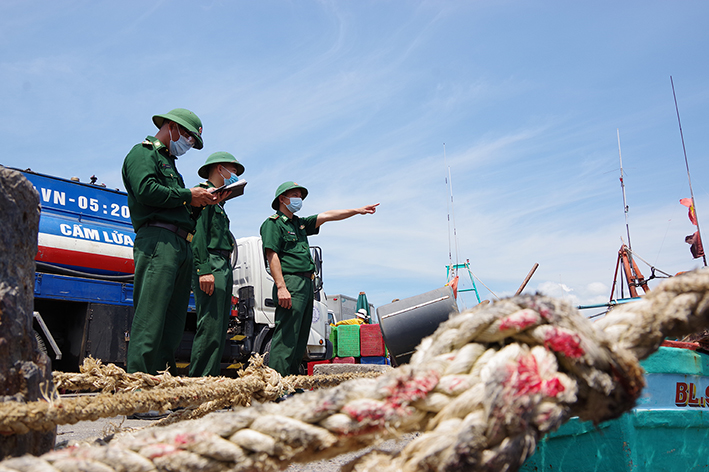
(251, 273)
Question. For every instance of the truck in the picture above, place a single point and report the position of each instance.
(254, 283)
(83, 287)
(344, 307)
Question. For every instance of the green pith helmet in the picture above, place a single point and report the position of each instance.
(187, 120)
(220, 157)
(283, 188)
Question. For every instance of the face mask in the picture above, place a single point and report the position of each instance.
(233, 178)
(179, 147)
(295, 204)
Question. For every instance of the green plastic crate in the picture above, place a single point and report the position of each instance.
(348, 341)
(333, 340)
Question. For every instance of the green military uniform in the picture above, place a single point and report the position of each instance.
(162, 256)
(289, 239)
(212, 245)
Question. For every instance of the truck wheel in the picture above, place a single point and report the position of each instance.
(266, 353)
(329, 349)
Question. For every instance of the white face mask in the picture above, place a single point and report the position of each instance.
(181, 146)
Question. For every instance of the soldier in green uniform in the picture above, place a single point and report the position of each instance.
(163, 213)
(212, 279)
(286, 248)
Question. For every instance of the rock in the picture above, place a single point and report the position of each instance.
(24, 370)
(334, 369)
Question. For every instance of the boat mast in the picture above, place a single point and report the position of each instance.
(453, 268)
(686, 163)
(633, 276)
(622, 186)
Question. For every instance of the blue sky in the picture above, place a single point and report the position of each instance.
(355, 100)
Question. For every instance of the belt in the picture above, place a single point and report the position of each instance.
(221, 252)
(178, 231)
(306, 275)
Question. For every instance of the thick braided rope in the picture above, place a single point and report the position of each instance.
(484, 388)
(94, 376)
(171, 392)
(679, 306)
(125, 394)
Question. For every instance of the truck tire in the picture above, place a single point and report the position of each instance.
(266, 352)
(329, 349)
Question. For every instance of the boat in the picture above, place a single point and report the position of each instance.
(667, 431)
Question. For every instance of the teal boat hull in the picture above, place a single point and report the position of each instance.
(667, 431)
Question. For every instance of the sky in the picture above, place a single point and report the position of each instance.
(374, 101)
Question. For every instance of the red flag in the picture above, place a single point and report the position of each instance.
(696, 247)
(692, 215)
(454, 285)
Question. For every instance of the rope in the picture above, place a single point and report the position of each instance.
(483, 388)
(678, 306)
(125, 394)
(94, 376)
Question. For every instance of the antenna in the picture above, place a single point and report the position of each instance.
(451, 212)
(625, 254)
(686, 163)
(622, 186)
(448, 214)
(453, 268)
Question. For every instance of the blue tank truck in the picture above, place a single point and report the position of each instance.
(83, 292)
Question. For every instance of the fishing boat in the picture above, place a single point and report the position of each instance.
(668, 430)
(627, 272)
(669, 427)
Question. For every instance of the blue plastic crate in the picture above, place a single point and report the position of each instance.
(373, 360)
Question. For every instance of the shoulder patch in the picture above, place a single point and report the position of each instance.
(273, 217)
(147, 143)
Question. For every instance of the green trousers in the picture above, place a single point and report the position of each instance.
(213, 313)
(290, 336)
(161, 294)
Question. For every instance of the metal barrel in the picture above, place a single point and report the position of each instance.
(404, 323)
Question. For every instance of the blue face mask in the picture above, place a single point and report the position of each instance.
(233, 178)
(295, 204)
